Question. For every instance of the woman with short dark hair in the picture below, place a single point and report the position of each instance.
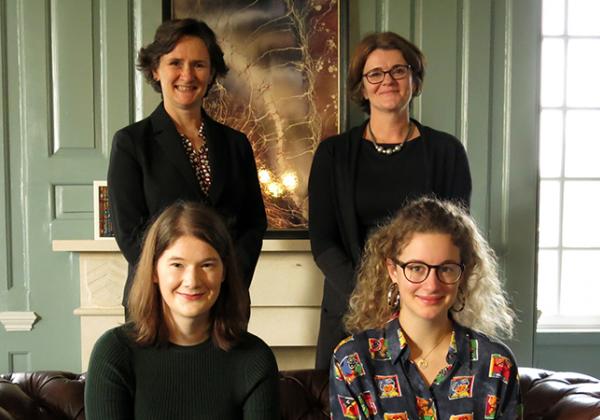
(361, 177)
(179, 152)
(186, 352)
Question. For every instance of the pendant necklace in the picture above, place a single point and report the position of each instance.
(396, 148)
(422, 362)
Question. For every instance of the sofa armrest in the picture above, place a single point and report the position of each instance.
(42, 396)
(559, 395)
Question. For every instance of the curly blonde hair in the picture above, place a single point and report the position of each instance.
(486, 307)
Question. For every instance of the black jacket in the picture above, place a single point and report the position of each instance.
(149, 170)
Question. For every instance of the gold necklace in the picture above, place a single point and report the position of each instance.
(422, 362)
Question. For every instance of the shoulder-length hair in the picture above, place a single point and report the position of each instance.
(385, 41)
(229, 314)
(166, 38)
(486, 306)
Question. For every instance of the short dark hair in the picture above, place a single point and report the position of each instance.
(229, 314)
(166, 38)
(385, 41)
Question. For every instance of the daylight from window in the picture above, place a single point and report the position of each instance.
(569, 199)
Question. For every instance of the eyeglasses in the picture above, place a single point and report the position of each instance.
(376, 76)
(418, 271)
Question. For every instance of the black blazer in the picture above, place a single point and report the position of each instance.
(149, 170)
(333, 225)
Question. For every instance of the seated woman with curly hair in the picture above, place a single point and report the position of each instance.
(427, 315)
(186, 353)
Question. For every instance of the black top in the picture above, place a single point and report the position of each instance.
(385, 182)
(334, 227)
(149, 170)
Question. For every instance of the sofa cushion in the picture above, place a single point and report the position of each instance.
(304, 395)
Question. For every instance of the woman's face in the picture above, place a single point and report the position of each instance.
(390, 95)
(189, 275)
(184, 74)
(431, 299)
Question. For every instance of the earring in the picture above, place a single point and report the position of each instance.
(461, 298)
(393, 296)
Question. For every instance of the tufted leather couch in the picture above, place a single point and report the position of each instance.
(59, 395)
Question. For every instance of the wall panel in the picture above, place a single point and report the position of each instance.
(73, 201)
(5, 243)
(19, 361)
(71, 27)
(68, 88)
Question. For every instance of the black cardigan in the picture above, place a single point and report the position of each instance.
(149, 170)
(333, 227)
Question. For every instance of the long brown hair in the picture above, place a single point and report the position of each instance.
(486, 306)
(230, 313)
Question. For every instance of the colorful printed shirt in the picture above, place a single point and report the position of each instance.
(373, 377)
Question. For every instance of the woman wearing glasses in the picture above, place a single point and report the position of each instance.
(427, 313)
(363, 176)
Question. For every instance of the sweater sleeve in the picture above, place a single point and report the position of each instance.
(459, 184)
(323, 226)
(126, 196)
(109, 386)
(261, 382)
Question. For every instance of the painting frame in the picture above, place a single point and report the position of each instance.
(168, 10)
(102, 224)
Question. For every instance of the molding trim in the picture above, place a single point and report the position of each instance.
(18, 321)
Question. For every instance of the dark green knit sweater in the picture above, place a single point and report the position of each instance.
(125, 381)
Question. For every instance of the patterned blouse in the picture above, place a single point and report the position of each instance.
(199, 160)
(372, 377)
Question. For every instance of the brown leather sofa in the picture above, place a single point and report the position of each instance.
(59, 395)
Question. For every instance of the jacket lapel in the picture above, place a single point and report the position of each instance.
(167, 137)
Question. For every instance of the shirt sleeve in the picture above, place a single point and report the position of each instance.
(109, 386)
(510, 404)
(344, 402)
(128, 207)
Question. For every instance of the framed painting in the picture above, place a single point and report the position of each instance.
(282, 90)
(103, 228)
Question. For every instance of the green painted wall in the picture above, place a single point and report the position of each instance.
(67, 83)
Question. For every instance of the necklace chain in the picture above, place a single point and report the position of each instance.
(396, 148)
(200, 134)
(422, 362)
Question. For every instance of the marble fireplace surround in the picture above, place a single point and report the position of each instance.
(286, 295)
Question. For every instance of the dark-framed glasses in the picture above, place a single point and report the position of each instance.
(418, 271)
(376, 76)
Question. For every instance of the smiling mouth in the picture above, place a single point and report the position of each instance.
(185, 88)
(191, 296)
(432, 300)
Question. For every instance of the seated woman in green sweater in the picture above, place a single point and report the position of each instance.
(186, 352)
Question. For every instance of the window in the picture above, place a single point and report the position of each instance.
(569, 206)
